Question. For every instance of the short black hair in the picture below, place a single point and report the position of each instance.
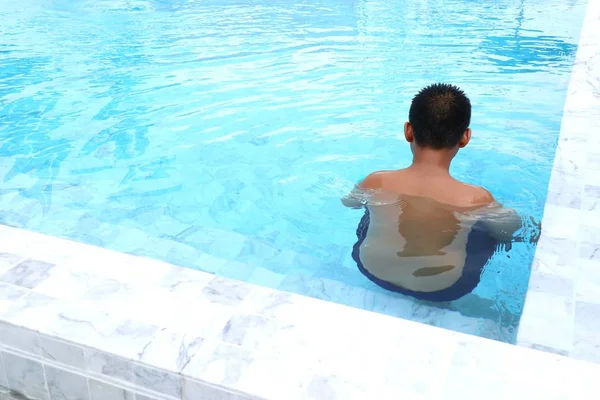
(439, 114)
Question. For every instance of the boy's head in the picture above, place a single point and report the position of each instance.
(439, 118)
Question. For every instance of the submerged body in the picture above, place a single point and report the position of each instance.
(425, 233)
(420, 247)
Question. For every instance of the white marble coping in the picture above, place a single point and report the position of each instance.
(81, 322)
(562, 306)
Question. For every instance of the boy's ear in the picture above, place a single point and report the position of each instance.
(408, 133)
(466, 138)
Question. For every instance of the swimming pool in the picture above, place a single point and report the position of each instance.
(220, 135)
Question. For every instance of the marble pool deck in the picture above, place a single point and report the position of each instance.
(82, 322)
(79, 322)
(562, 306)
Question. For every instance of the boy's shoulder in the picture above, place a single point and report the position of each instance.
(479, 196)
(450, 191)
(375, 180)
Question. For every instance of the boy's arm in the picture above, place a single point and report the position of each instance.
(357, 198)
(503, 223)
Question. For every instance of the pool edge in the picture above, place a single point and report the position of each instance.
(562, 306)
(84, 321)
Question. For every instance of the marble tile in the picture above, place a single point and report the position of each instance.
(19, 338)
(171, 350)
(48, 248)
(560, 181)
(25, 376)
(555, 256)
(589, 251)
(108, 364)
(593, 161)
(104, 391)
(591, 176)
(567, 160)
(266, 277)
(333, 387)
(64, 385)
(62, 352)
(8, 261)
(102, 330)
(64, 283)
(144, 397)
(585, 385)
(225, 291)
(478, 366)
(587, 316)
(550, 283)
(147, 305)
(409, 357)
(157, 380)
(591, 206)
(193, 390)
(592, 191)
(561, 222)
(589, 233)
(282, 306)
(219, 363)
(28, 273)
(9, 294)
(564, 199)
(121, 267)
(185, 280)
(339, 292)
(298, 281)
(591, 214)
(167, 309)
(586, 345)
(547, 320)
(275, 378)
(587, 288)
(33, 311)
(248, 331)
(3, 380)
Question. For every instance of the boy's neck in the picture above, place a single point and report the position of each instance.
(432, 161)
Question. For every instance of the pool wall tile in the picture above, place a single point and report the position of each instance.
(103, 391)
(193, 390)
(560, 312)
(170, 350)
(219, 363)
(25, 375)
(157, 380)
(108, 365)
(55, 350)
(19, 338)
(63, 384)
(3, 380)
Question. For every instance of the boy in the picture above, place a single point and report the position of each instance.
(424, 233)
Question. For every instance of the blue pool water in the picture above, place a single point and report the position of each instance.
(220, 134)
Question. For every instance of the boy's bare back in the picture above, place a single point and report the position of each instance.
(440, 187)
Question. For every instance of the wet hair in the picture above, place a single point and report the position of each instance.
(439, 114)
